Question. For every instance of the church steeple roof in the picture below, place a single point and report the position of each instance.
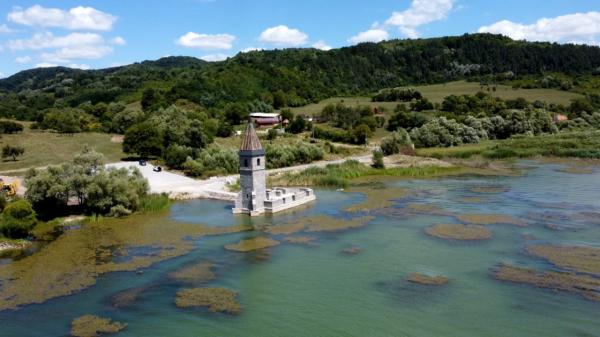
(250, 141)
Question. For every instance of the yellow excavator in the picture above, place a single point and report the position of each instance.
(8, 189)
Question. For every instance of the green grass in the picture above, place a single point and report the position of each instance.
(341, 175)
(570, 145)
(437, 92)
(154, 203)
(48, 148)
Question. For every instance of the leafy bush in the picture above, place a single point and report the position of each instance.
(443, 132)
(289, 155)
(378, 159)
(212, 161)
(397, 94)
(395, 142)
(10, 127)
(17, 219)
(9, 151)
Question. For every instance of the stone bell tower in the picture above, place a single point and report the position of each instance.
(251, 199)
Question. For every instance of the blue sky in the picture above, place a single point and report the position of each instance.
(104, 33)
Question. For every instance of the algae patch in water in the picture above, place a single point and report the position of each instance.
(300, 240)
(490, 219)
(215, 299)
(352, 250)
(376, 198)
(459, 232)
(576, 170)
(427, 280)
(585, 285)
(127, 297)
(92, 326)
(489, 189)
(319, 223)
(577, 258)
(249, 245)
(74, 261)
(473, 200)
(194, 274)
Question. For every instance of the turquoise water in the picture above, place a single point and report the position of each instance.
(315, 290)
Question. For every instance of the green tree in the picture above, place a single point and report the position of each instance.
(9, 151)
(377, 160)
(17, 219)
(144, 139)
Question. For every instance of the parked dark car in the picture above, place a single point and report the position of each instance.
(142, 162)
(157, 169)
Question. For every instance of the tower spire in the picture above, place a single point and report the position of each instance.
(250, 141)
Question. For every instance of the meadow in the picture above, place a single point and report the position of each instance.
(44, 148)
(437, 92)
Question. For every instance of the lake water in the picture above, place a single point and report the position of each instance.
(316, 290)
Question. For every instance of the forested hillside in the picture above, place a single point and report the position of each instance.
(290, 77)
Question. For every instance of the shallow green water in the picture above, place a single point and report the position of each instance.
(315, 290)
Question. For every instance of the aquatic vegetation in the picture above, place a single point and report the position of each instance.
(215, 299)
(92, 326)
(490, 219)
(427, 280)
(352, 250)
(301, 240)
(581, 259)
(286, 228)
(459, 232)
(473, 200)
(249, 245)
(74, 260)
(576, 170)
(197, 273)
(429, 209)
(489, 189)
(321, 223)
(127, 297)
(584, 285)
(376, 198)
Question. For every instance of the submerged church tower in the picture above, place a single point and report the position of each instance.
(251, 199)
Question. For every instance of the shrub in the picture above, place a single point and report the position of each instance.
(289, 155)
(9, 151)
(10, 127)
(378, 159)
(18, 218)
(443, 132)
(394, 143)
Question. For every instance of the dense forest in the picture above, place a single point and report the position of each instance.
(290, 77)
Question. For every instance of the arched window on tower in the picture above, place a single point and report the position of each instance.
(258, 161)
(245, 162)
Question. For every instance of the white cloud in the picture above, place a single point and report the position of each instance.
(4, 29)
(419, 13)
(283, 36)
(48, 40)
(575, 27)
(65, 49)
(371, 35)
(87, 52)
(321, 45)
(249, 49)
(214, 57)
(23, 59)
(75, 19)
(2, 75)
(119, 41)
(206, 41)
(46, 65)
(79, 66)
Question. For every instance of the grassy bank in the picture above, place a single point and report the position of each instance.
(341, 175)
(567, 145)
(44, 148)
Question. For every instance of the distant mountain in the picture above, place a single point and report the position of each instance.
(296, 76)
